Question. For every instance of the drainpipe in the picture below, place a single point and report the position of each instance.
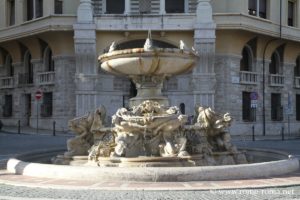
(264, 76)
(280, 35)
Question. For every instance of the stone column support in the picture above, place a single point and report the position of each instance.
(48, 7)
(162, 7)
(85, 56)
(127, 9)
(204, 43)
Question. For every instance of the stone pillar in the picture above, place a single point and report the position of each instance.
(203, 77)
(162, 7)
(86, 58)
(3, 14)
(127, 7)
(20, 11)
(48, 7)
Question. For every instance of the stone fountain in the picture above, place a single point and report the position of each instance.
(151, 133)
(150, 140)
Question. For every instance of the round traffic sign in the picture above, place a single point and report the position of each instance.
(254, 96)
(38, 95)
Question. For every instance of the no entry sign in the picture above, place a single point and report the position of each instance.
(38, 94)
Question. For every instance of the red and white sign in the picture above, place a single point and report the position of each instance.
(38, 95)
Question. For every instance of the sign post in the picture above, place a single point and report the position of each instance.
(38, 97)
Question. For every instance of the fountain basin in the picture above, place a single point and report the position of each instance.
(24, 165)
(157, 62)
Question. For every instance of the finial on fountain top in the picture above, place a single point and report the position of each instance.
(112, 47)
(148, 44)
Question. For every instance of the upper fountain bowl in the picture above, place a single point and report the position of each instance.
(140, 61)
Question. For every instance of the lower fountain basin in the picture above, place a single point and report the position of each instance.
(272, 163)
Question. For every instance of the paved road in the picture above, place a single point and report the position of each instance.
(11, 144)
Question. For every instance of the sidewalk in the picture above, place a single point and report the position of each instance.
(32, 131)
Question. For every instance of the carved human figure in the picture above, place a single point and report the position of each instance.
(84, 127)
(146, 127)
(215, 124)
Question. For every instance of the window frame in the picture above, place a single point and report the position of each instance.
(8, 104)
(277, 69)
(11, 15)
(294, 14)
(107, 4)
(58, 7)
(175, 12)
(276, 110)
(250, 58)
(49, 65)
(257, 10)
(34, 9)
(248, 113)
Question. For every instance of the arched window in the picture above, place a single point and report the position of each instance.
(274, 67)
(182, 108)
(48, 60)
(9, 66)
(247, 59)
(297, 68)
(28, 76)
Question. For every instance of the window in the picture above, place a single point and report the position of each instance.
(297, 68)
(48, 60)
(274, 66)
(298, 107)
(58, 7)
(182, 108)
(174, 6)
(248, 112)
(145, 6)
(29, 9)
(115, 6)
(9, 66)
(27, 77)
(34, 9)
(46, 107)
(246, 61)
(8, 106)
(276, 108)
(38, 8)
(257, 8)
(291, 13)
(11, 12)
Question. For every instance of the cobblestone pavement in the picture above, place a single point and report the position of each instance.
(7, 192)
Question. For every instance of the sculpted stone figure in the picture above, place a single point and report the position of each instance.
(215, 124)
(84, 127)
(149, 128)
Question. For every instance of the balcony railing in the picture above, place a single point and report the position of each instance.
(46, 78)
(247, 77)
(25, 79)
(276, 80)
(6, 82)
(297, 81)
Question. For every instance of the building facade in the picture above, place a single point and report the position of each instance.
(249, 58)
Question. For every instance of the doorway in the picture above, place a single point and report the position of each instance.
(27, 109)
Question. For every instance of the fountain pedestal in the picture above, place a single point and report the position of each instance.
(148, 88)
